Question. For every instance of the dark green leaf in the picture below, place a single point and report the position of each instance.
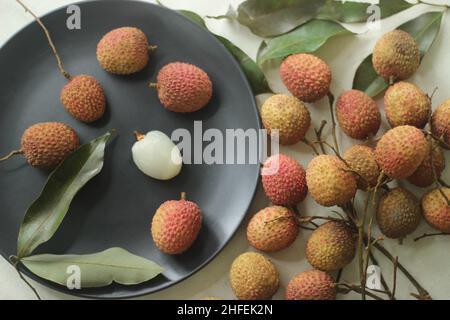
(96, 270)
(306, 38)
(253, 73)
(44, 216)
(424, 29)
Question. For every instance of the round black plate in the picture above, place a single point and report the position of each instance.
(116, 207)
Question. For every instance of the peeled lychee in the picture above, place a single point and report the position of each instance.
(253, 277)
(396, 56)
(358, 114)
(84, 98)
(183, 87)
(436, 209)
(406, 104)
(362, 160)
(306, 76)
(329, 181)
(398, 213)
(424, 175)
(272, 229)
(311, 285)
(401, 151)
(440, 123)
(331, 246)
(123, 51)
(288, 115)
(284, 180)
(46, 144)
(175, 225)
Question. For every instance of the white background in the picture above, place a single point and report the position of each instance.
(428, 260)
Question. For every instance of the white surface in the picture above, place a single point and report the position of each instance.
(428, 260)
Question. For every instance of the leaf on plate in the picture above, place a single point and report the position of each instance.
(253, 73)
(306, 38)
(46, 213)
(424, 29)
(96, 270)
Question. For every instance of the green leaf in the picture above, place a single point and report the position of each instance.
(96, 270)
(253, 73)
(46, 213)
(306, 38)
(424, 29)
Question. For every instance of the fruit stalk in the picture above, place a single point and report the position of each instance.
(15, 262)
(11, 154)
(331, 102)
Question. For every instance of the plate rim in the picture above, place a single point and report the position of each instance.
(146, 291)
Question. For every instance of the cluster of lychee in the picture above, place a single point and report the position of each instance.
(404, 152)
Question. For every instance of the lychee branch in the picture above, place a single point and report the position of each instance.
(345, 288)
(428, 235)
(331, 103)
(319, 135)
(11, 154)
(15, 262)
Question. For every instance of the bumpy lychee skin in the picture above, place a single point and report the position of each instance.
(272, 229)
(46, 144)
(401, 151)
(358, 114)
(398, 213)
(175, 225)
(288, 115)
(84, 98)
(406, 104)
(306, 76)
(183, 87)
(311, 285)
(253, 277)
(362, 160)
(396, 55)
(440, 123)
(436, 209)
(284, 180)
(123, 51)
(328, 181)
(331, 246)
(434, 163)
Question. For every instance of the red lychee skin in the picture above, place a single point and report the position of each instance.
(175, 226)
(311, 285)
(306, 76)
(183, 87)
(287, 185)
(440, 123)
(84, 98)
(435, 209)
(401, 151)
(358, 114)
(272, 229)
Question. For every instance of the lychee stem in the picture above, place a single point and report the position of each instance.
(12, 154)
(139, 136)
(183, 196)
(50, 41)
(152, 48)
(153, 85)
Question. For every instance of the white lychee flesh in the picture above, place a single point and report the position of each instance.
(157, 156)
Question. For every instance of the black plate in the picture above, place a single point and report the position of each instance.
(116, 207)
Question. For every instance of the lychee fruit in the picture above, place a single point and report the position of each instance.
(272, 229)
(398, 213)
(331, 246)
(183, 87)
(253, 277)
(406, 104)
(46, 144)
(436, 209)
(123, 51)
(175, 225)
(396, 56)
(311, 285)
(306, 76)
(362, 160)
(284, 180)
(84, 98)
(401, 151)
(358, 114)
(329, 181)
(434, 163)
(288, 115)
(440, 123)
